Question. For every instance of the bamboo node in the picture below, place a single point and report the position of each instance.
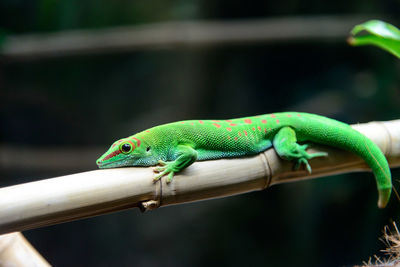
(267, 168)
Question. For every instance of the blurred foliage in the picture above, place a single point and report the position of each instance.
(19, 16)
(379, 33)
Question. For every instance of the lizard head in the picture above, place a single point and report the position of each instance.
(127, 152)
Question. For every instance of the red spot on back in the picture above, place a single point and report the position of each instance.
(277, 121)
(232, 124)
(192, 123)
(248, 121)
(229, 129)
(201, 121)
(289, 115)
(273, 116)
(147, 131)
(298, 115)
(264, 121)
(235, 138)
(228, 121)
(217, 125)
(182, 122)
(137, 141)
(259, 128)
(245, 133)
(253, 129)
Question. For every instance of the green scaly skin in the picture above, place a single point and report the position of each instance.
(175, 146)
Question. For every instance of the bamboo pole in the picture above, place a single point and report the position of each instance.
(61, 199)
(16, 251)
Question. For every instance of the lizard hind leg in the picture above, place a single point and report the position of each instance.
(285, 144)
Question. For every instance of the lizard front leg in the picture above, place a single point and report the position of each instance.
(185, 156)
(285, 144)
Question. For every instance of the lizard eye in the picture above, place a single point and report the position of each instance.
(148, 149)
(125, 148)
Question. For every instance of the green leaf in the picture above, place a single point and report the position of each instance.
(378, 33)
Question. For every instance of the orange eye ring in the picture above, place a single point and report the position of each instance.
(126, 147)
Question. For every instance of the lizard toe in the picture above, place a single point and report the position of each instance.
(306, 164)
(162, 163)
(170, 177)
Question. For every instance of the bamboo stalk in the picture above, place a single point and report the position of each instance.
(46, 202)
(15, 250)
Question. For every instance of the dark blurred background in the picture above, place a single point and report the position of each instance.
(77, 75)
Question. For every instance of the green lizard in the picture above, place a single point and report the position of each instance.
(177, 145)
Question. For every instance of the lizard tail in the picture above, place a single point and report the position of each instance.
(374, 157)
(343, 136)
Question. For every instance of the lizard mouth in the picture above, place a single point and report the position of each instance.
(102, 164)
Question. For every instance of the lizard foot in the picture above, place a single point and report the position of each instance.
(186, 155)
(286, 146)
(304, 156)
(166, 168)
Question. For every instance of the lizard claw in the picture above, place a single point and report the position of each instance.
(158, 177)
(306, 156)
(161, 174)
(170, 176)
(306, 164)
(159, 169)
(163, 170)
